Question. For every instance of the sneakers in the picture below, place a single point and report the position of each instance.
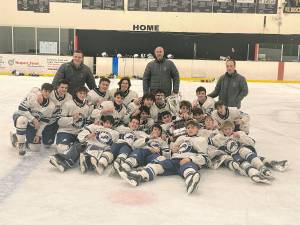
(192, 182)
(133, 178)
(22, 148)
(56, 163)
(279, 165)
(260, 179)
(82, 163)
(13, 139)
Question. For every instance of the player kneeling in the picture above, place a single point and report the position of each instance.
(32, 116)
(187, 159)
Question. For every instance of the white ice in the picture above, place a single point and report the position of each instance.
(40, 195)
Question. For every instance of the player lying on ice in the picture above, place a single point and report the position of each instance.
(188, 157)
(237, 152)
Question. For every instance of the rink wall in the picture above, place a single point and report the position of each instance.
(193, 70)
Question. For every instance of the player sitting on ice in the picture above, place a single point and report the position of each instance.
(128, 135)
(59, 97)
(134, 108)
(147, 150)
(239, 118)
(116, 109)
(189, 155)
(96, 96)
(162, 103)
(93, 139)
(146, 122)
(242, 154)
(204, 102)
(73, 118)
(98, 154)
(124, 88)
(210, 128)
(33, 114)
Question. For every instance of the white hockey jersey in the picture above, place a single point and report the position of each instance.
(105, 137)
(66, 122)
(58, 102)
(96, 97)
(118, 114)
(194, 148)
(231, 115)
(129, 136)
(31, 108)
(208, 133)
(171, 104)
(221, 142)
(146, 125)
(207, 107)
(152, 143)
(128, 95)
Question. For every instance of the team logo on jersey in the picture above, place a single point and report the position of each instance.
(231, 146)
(185, 147)
(153, 144)
(129, 137)
(104, 137)
(37, 115)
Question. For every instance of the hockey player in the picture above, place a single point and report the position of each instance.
(128, 135)
(146, 150)
(203, 101)
(166, 125)
(145, 121)
(32, 116)
(163, 104)
(116, 108)
(59, 97)
(93, 142)
(175, 128)
(189, 155)
(98, 154)
(240, 148)
(198, 116)
(73, 118)
(239, 118)
(133, 108)
(209, 130)
(124, 88)
(98, 95)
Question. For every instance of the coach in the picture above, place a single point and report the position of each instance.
(231, 87)
(161, 73)
(76, 73)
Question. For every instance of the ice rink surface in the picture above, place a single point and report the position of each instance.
(32, 192)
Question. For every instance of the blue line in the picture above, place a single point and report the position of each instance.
(10, 182)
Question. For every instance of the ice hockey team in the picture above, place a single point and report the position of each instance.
(138, 138)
